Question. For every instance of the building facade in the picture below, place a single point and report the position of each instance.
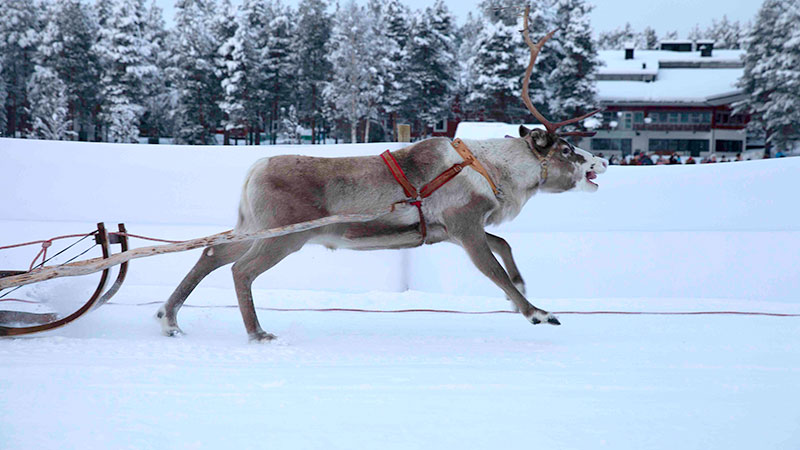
(674, 100)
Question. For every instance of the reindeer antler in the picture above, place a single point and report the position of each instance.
(535, 49)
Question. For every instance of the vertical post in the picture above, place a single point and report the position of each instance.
(403, 133)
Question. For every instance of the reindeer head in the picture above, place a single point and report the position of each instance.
(564, 167)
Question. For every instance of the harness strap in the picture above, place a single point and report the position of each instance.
(408, 188)
(415, 197)
(544, 161)
(465, 153)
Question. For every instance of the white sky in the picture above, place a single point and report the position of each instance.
(662, 15)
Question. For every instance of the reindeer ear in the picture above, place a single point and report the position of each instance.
(523, 131)
(540, 138)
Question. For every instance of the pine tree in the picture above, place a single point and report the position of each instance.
(349, 43)
(242, 73)
(649, 39)
(726, 34)
(496, 86)
(383, 66)
(696, 34)
(541, 90)
(19, 33)
(156, 118)
(670, 36)
(312, 67)
(574, 79)
(431, 60)
(290, 125)
(48, 105)
(617, 39)
(126, 59)
(466, 51)
(771, 77)
(67, 47)
(192, 72)
(279, 77)
(396, 31)
(3, 95)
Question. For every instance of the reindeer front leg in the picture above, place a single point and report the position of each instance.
(471, 236)
(501, 248)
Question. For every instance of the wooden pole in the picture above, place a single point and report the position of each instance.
(97, 264)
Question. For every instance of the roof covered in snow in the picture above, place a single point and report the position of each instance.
(680, 77)
(489, 130)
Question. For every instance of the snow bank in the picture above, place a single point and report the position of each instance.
(716, 231)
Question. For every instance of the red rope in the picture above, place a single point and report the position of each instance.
(455, 311)
(67, 236)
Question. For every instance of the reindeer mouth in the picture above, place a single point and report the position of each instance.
(591, 176)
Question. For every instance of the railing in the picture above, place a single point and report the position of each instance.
(672, 126)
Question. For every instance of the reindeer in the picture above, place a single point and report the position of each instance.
(288, 189)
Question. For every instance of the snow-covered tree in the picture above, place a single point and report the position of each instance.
(771, 77)
(496, 64)
(242, 71)
(312, 67)
(156, 119)
(726, 34)
(542, 21)
(48, 105)
(290, 125)
(348, 87)
(466, 50)
(19, 33)
(573, 81)
(396, 25)
(3, 96)
(431, 63)
(127, 61)
(619, 38)
(649, 39)
(382, 67)
(670, 36)
(192, 72)
(696, 34)
(67, 47)
(279, 76)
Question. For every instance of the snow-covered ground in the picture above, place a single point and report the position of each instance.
(668, 238)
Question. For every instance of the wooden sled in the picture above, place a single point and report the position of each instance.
(27, 322)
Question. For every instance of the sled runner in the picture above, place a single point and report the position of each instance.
(14, 323)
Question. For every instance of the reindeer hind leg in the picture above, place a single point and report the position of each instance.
(262, 256)
(212, 258)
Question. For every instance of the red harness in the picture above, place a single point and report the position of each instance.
(415, 196)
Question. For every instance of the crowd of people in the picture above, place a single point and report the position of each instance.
(643, 159)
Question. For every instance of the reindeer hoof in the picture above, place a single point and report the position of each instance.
(262, 337)
(173, 332)
(542, 317)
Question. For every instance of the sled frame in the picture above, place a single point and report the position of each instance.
(49, 321)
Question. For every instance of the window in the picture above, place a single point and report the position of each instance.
(684, 117)
(440, 126)
(623, 145)
(638, 117)
(693, 146)
(729, 146)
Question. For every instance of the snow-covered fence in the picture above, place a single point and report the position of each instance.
(717, 231)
